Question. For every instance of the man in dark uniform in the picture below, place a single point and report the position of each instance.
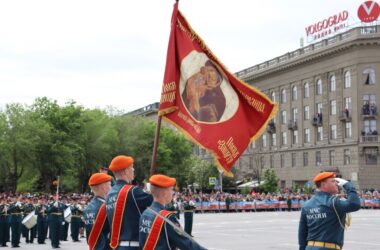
(63, 231)
(155, 232)
(29, 234)
(76, 219)
(3, 223)
(55, 211)
(99, 238)
(126, 202)
(323, 217)
(15, 210)
(41, 212)
(188, 211)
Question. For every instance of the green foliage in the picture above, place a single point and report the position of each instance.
(246, 190)
(200, 172)
(46, 140)
(270, 181)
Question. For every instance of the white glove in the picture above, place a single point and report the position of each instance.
(56, 204)
(147, 187)
(341, 181)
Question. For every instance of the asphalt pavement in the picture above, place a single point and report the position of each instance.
(261, 231)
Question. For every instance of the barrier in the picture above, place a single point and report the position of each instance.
(257, 205)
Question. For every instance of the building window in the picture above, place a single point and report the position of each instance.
(294, 159)
(332, 157)
(319, 88)
(264, 140)
(369, 105)
(295, 114)
(318, 158)
(348, 130)
(369, 76)
(295, 137)
(370, 127)
(319, 107)
(332, 83)
(333, 131)
(282, 160)
(333, 107)
(294, 93)
(346, 157)
(371, 155)
(306, 137)
(319, 133)
(283, 96)
(273, 96)
(306, 113)
(253, 144)
(262, 161)
(283, 117)
(284, 140)
(306, 90)
(274, 140)
(347, 79)
(348, 103)
(305, 159)
(271, 161)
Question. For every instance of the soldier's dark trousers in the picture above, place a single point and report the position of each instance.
(3, 230)
(188, 222)
(54, 228)
(74, 228)
(16, 229)
(41, 233)
(29, 234)
(64, 231)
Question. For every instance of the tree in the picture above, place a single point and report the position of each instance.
(15, 143)
(201, 171)
(270, 183)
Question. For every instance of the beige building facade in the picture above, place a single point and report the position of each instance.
(328, 95)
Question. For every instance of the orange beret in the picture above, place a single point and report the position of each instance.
(322, 176)
(98, 178)
(121, 162)
(161, 180)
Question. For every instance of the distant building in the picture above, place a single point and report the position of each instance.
(327, 117)
(149, 111)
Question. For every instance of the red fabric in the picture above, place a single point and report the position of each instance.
(118, 215)
(204, 100)
(155, 231)
(97, 227)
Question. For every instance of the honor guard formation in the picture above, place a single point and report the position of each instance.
(123, 216)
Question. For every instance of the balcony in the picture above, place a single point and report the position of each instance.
(369, 139)
(292, 125)
(369, 111)
(271, 128)
(345, 116)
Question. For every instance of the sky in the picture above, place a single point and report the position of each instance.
(112, 53)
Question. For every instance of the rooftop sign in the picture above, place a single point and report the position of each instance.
(369, 11)
(327, 26)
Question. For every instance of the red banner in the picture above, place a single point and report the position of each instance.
(210, 105)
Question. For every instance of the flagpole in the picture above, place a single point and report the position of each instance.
(156, 141)
(155, 146)
(57, 194)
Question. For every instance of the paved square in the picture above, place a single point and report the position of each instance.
(261, 231)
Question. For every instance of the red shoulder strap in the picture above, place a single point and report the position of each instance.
(155, 231)
(97, 227)
(118, 215)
